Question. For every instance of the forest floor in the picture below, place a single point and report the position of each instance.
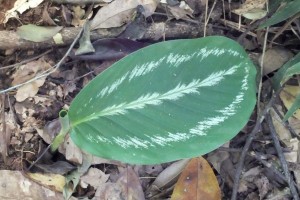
(41, 73)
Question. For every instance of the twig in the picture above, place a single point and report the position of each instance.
(234, 25)
(183, 19)
(84, 75)
(282, 158)
(3, 141)
(253, 26)
(295, 32)
(284, 27)
(261, 70)
(258, 157)
(26, 61)
(224, 13)
(173, 29)
(40, 156)
(248, 143)
(49, 71)
(207, 17)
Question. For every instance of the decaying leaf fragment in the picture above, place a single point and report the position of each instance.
(27, 72)
(288, 96)
(167, 177)
(252, 9)
(21, 6)
(16, 186)
(120, 12)
(127, 187)
(53, 181)
(37, 33)
(94, 177)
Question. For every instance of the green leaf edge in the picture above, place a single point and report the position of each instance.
(289, 69)
(290, 9)
(293, 108)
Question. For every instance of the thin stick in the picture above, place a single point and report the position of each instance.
(34, 162)
(261, 70)
(224, 13)
(284, 27)
(49, 71)
(282, 158)
(257, 156)
(3, 141)
(295, 32)
(205, 18)
(26, 61)
(286, 123)
(212, 8)
(248, 144)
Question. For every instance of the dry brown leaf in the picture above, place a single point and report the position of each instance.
(53, 181)
(181, 13)
(29, 71)
(283, 133)
(16, 186)
(78, 14)
(288, 96)
(130, 184)
(68, 87)
(120, 12)
(127, 187)
(252, 9)
(263, 186)
(29, 89)
(74, 154)
(94, 177)
(4, 7)
(274, 58)
(167, 177)
(217, 157)
(197, 181)
(21, 6)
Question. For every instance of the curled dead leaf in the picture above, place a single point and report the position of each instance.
(29, 90)
(120, 12)
(252, 9)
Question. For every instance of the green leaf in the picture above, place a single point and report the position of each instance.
(291, 8)
(171, 100)
(292, 67)
(37, 33)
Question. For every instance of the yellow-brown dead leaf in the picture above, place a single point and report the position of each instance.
(198, 182)
(53, 181)
(288, 95)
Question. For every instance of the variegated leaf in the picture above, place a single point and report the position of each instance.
(171, 100)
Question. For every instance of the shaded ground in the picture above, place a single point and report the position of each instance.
(29, 115)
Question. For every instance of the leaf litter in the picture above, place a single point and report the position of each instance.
(29, 109)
